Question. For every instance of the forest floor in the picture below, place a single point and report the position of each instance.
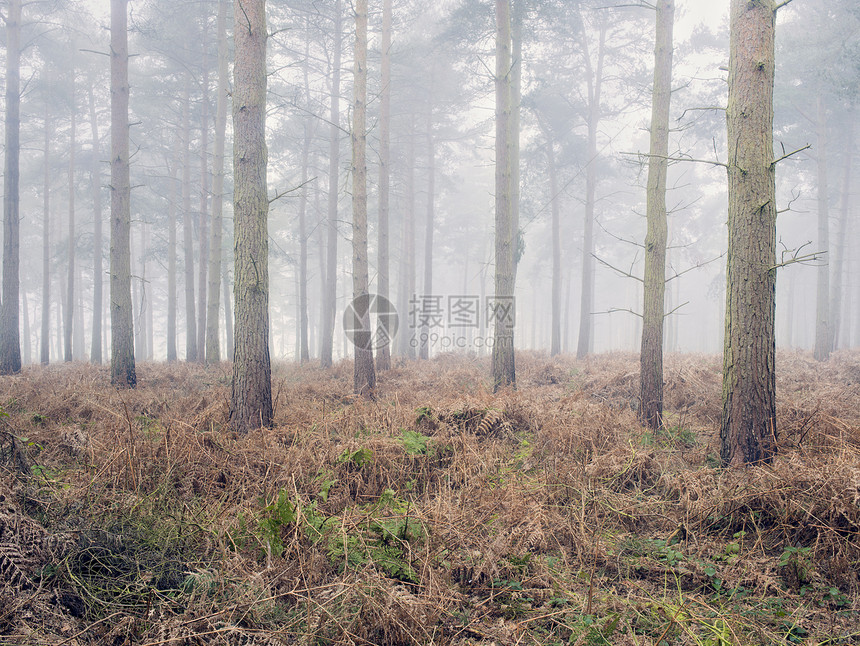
(438, 514)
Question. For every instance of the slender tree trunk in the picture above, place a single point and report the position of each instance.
(68, 322)
(251, 394)
(213, 345)
(504, 368)
(748, 429)
(839, 259)
(203, 228)
(383, 353)
(823, 338)
(364, 373)
(95, 171)
(651, 356)
(330, 295)
(407, 258)
(424, 351)
(555, 323)
(228, 313)
(10, 342)
(25, 324)
(123, 373)
(171, 269)
(304, 351)
(594, 77)
(517, 9)
(45, 340)
(187, 231)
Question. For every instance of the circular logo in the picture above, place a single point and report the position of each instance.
(358, 322)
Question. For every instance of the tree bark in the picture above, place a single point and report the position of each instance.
(304, 349)
(823, 338)
(251, 395)
(383, 353)
(10, 341)
(123, 373)
(330, 295)
(552, 171)
(364, 372)
(651, 355)
(95, 172)
(188, 230)
(503, 363)
(213, 344)
(748, 427)
(594, 75)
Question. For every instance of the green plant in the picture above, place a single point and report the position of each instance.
(276, 516)
(416, 443)
(797, 567)
(422, 413)
(359, 457)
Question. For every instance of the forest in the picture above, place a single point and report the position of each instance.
(396, 323)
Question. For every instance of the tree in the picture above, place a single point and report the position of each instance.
(364, 372)
(823, 339)
(188, 229)
(10, 342)
(68, 321)
(651, 356)
(594, 79)
(95, 172)
(383, 353)
(330, 296)
(123, 373)
(251, 392)
(748, 426)
(213, 346)
(504, 368)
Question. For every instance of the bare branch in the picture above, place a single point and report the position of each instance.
(612, 310)
(680, 159)
(781, 5)
(616, 269)
(787, 155)
(279, 195)
(675, 309)
(617, 237)
(795, 257)
(794, 198)
(715, 107)
(698, 265)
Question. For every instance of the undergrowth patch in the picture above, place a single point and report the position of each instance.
(440, 513)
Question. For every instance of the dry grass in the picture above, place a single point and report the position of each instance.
(439, 514)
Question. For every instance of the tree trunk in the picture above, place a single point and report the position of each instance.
(383, 353)
(304, 349)
(839, 259)
(748, 427)
(45, 340)
(228, 313)
(187, 231)
(555, 323)
(503, 364)
(407, 255)
(10, 342)
(424, 350)
(25, 329)
(95, 172)
(823, 338)
(171, 269)
(594, 77)
(330, 295)
(69, 315)
(213, 345)
(123, 373)
(364, 373)
(203, 214)
(651, 356)
(251, 394)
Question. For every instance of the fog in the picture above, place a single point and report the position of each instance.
(442, 158)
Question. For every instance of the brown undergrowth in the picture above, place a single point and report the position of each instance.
(440, 513)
